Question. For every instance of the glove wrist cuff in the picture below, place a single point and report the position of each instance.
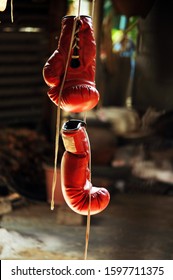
(74, 137)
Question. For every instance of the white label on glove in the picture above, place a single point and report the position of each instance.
(69, 144)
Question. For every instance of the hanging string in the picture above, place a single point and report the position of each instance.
(56, 154)
(89, 207)
(58, 116)
(12, 11)
(93, 8)
(87, 228)
(85, 116)
(79, 7)
(89, 194)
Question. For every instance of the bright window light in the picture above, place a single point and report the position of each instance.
(3, 4)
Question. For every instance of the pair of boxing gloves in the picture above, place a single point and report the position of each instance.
(79, 94)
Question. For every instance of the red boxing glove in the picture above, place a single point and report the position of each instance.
(79, 92)
(75, 173)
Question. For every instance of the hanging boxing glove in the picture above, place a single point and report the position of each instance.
(79, 92)
(75, 173)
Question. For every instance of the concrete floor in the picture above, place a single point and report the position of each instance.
(134, 226)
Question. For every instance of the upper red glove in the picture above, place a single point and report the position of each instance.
(75, 174)
(79, 92)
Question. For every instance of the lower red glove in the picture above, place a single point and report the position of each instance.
(75, 173)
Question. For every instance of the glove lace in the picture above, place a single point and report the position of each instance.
(75, 62)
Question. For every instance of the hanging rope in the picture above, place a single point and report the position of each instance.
(79, 6)
(89, 195)
(89, 207)
(93, 9)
